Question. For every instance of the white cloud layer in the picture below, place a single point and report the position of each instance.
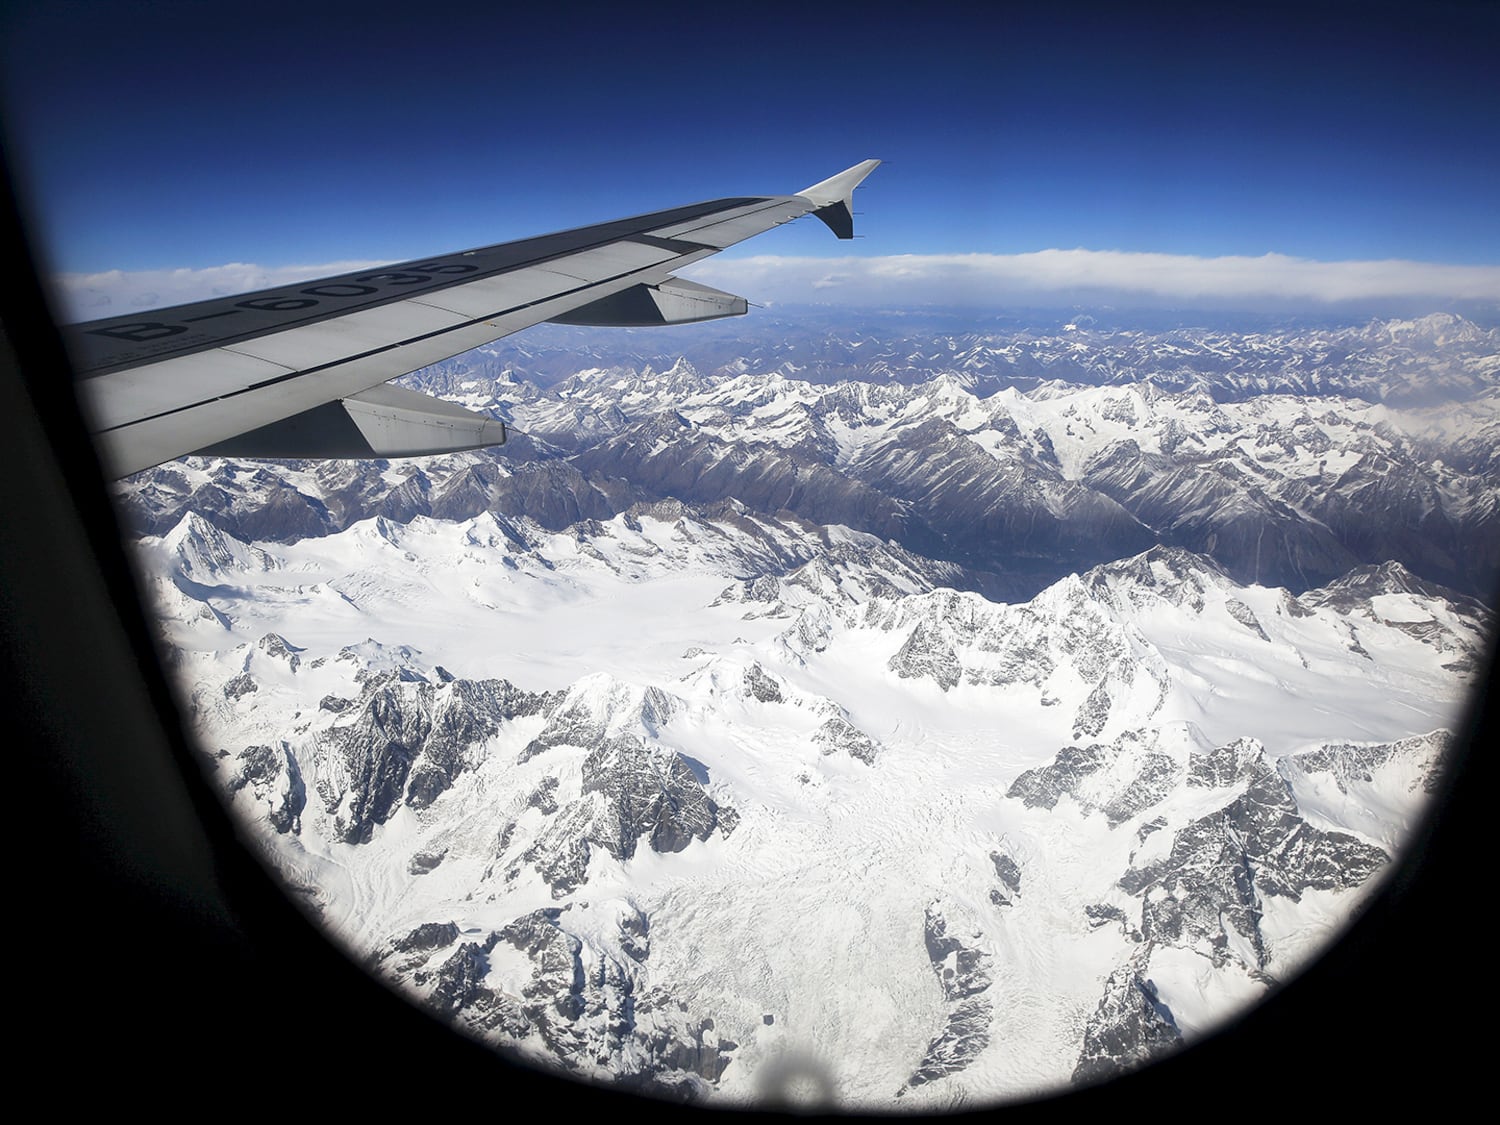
(1052, 276)
(1043, 278)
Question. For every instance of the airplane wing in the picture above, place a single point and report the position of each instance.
(299, 371)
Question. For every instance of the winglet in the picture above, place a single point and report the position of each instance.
(834, 195)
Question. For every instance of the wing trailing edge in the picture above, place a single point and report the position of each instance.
(384, 421)
(674, 301)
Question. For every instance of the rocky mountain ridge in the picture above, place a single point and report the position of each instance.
(1293, 482)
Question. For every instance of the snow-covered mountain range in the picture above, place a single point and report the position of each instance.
(957, 741)
(1017, 486)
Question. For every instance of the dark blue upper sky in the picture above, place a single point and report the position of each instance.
(190, 135)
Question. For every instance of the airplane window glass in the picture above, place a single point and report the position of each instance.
(987, 670)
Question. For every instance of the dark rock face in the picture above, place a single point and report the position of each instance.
(1352, 590)
(407, 743)
(274, 776)
(427, 937)
(561, 853)
(646, 793)
(1130, 1028)
(964, 973)
(928, 653)
(1093, 712)
(1008, 871)
(1230, 764)
(887, 570)
(277, 647)
(1101, 914)
(1246, 617)
(457, 986)
(377, 752)
(1009, 511)
(759, 685)
(1152, 780)
(1157, 778)
(1212, 507)
(964, 1036)
(962, 970)
(581, 718)
(1044, 786)
(450, 972)
(631, 791)
(558, 978)
(464, 713)
(839, 734)
(696, 1051)
(544, 796)
(242, 685)
(635, 936)
(1210, 886)
(573, 723)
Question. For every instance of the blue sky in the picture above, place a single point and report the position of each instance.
(169, 135)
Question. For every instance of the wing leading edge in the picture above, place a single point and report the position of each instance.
(297, 371)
